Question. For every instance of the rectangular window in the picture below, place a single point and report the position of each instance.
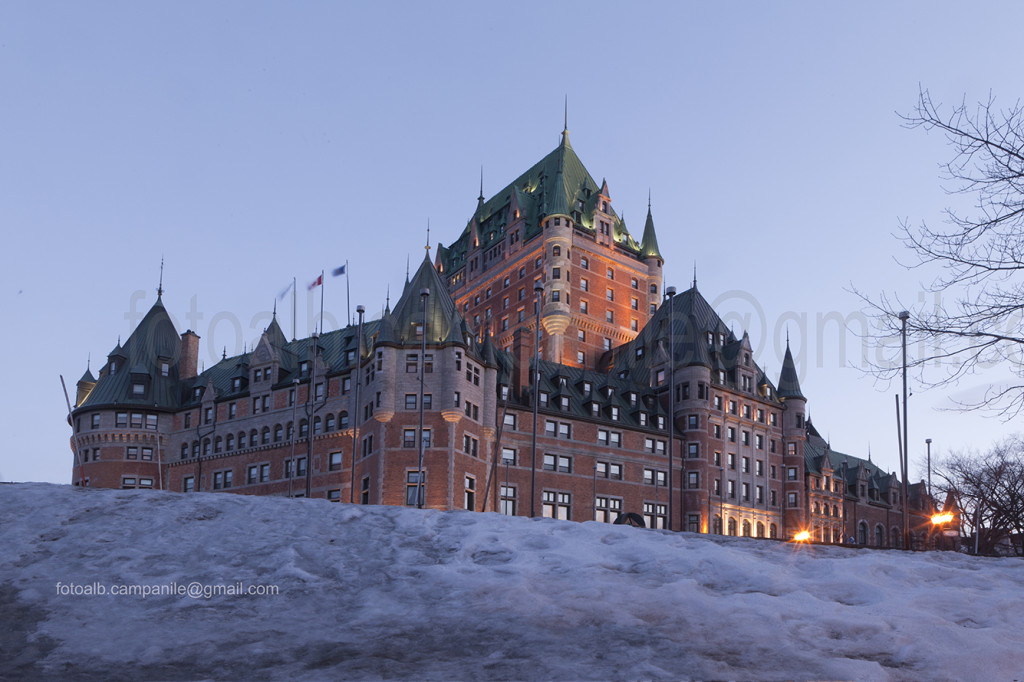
(334, 462)
(607, 509)
(412, 485)
(364, 491)
(508, 500)
(693, 450)
(264, 473)
(692, 479)
(655, 514)
(556, 505)
(188, 484)
(470, 493)
(508, 456)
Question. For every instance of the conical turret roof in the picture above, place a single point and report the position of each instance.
(649, 242)
(789, 382)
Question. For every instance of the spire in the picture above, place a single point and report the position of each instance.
(406, 268)
(427, 247)
(224, 356)
(480, 198)
(789, 383)
(649, 242)
(694, 274)
(565, 125)
(387, 306)
(160, 286)
(275, 309)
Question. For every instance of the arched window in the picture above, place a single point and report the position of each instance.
(278, 433)
(556, 251)
(718, 525)
(254, 438)
(773, 531)
(206, 447)
(895, 538)
(732, 526)
(836, 537)
(760, 529)
(329, 423)
(879, 536)
(195, 448)
(317, 425)
(343, 420)
(303, 428)
(290, 431)
(817, 508)
(862, 533)
(217, 444)
(241, 439)
(746, 529)
(265, 439)
(835, 511)
(229, 442)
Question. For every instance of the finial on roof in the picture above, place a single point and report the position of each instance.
(88, 362)
(406, 268)
(225, 355)
(388, 298)
(160, 286)
(565, 125)
(275, 308)
(648, 199)
(481, 197)
(427, 247)
(694, 274)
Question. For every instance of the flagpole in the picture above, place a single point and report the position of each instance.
(348, 294)
(294, 296)
(323, 285)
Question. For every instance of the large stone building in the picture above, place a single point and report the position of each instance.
(642, 401)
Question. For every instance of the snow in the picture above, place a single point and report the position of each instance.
(393, 593)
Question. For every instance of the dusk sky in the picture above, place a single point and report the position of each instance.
(250, 143)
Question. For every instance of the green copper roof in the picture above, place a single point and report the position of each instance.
(557, 184)
(649, 243)
(139, 361)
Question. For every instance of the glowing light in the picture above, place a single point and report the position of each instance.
(939, 519)
(802, 536)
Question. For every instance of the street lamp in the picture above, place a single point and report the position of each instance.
(904, 315)
(424, 295)
(928, 442)
(354, 406)
(538, 291)
(671, 292)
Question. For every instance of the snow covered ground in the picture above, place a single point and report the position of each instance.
(384, 592)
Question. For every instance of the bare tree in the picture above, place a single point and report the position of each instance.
(989, 490)
(978, 253)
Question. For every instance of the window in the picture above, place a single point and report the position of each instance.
(731, 487)
(470, 493)
(410, 401)
(470, 445)
(510, 421)
(732, 461)
(746, 492)
(508, 500)
(611, 273)
(745, 437)
(252, 474)
(791, 500)
(791, 473)
(364, 491)
(188, 484)
(556, 505)
(95, 421)
(560, 463)
(692, 479)
(693, 450)
(655, 477)
(121, 419)
(731, 434)
(334, 461)
(412, 484)
(584, 263)
(581, 357)
(655, 514)
(609, 316)
(132, 453)
(607, 509)
(508, 456)
(264, 473)
(759, 441)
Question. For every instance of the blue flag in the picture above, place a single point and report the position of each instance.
(338, 271)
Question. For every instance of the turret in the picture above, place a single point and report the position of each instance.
(650, 254)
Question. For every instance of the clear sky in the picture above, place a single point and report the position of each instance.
(247, 143)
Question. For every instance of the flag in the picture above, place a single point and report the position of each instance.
(316, 282)
(338, 271)
(284, 292)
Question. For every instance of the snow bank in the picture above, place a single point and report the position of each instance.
(386, 592)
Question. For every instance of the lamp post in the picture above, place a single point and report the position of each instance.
(354, 416)
(721, 500)
(671, 292)
(538, 291)
(904, 315)
(424, 295)
(928, 442)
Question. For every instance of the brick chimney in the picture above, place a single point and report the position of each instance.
(188, 363)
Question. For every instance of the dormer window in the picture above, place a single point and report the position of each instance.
(587, 387)
(138, 388)
(236, 384)
(113, 367)
(165, 367)
(544, 399)
(197, 393)
(613, 412)
(711, 338)
(304, 368)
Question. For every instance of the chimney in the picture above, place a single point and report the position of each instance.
(189, 360)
